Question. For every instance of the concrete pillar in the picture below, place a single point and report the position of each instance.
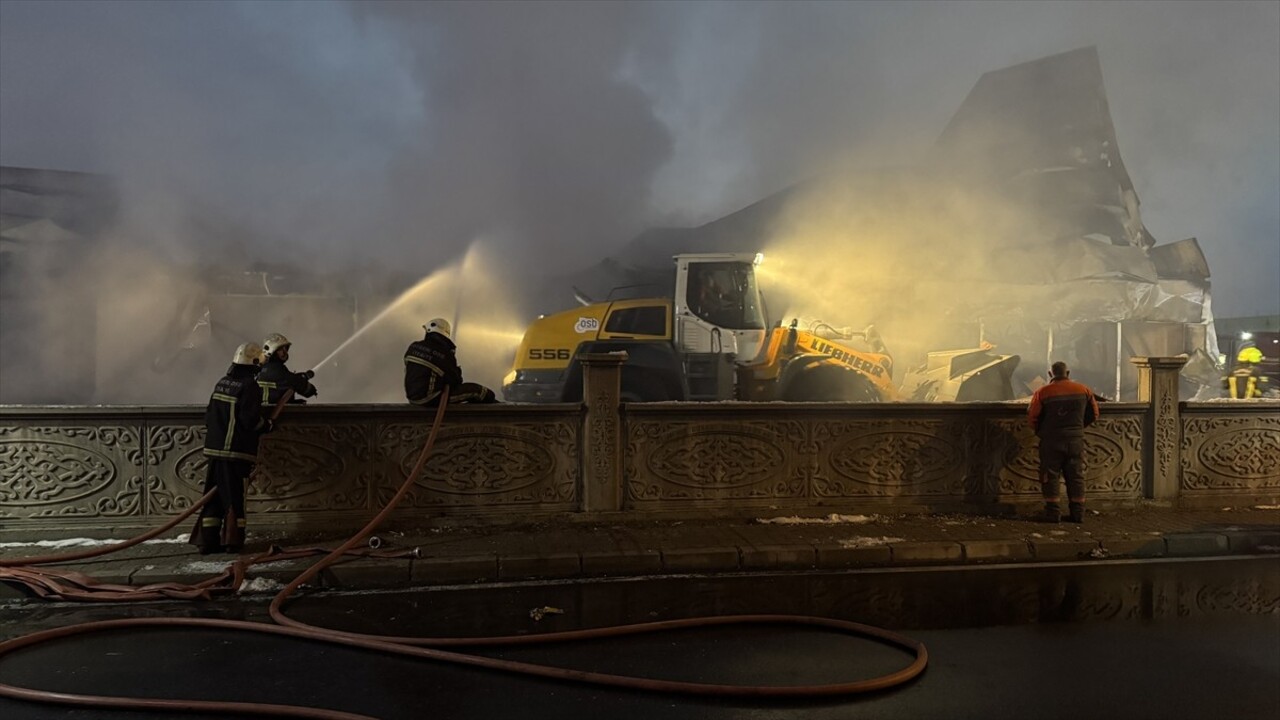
(1162, 441)
(602, 442)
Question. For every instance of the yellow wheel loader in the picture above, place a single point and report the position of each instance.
(710, 341)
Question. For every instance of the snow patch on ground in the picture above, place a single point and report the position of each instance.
(832, 519)
(1266, 507)
(89, 542)
(865, 542)
(260, 585)
(211, 567)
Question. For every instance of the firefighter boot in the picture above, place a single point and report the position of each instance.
(209, 539)
(233, 533)
(1052, 513)
(1076, 513)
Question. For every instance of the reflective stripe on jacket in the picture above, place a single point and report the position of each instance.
(429, 365)
(1243, 382)
(274, 378)
(234, 419)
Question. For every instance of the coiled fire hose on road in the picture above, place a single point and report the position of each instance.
(428, 648)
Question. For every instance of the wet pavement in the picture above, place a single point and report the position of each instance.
(448, 552)
(1141, 638)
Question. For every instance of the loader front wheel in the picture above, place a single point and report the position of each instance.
(831, 384)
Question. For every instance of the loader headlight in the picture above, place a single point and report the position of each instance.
(510, 378)
(759, 259)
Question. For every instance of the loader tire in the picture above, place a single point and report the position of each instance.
(831, 384)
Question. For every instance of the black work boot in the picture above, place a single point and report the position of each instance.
(1051, 514)
(210, 540)
(1076, 513)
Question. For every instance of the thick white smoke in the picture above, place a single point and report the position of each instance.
(372, 144)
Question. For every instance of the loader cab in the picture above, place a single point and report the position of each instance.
(717, 306)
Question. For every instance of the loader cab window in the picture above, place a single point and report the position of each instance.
(725, 294)
(651, 320)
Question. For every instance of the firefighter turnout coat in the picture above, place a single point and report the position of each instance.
(275, 379)
(235, 418)
(1245, 382)
(430, 365)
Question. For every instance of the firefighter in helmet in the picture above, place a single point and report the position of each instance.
(431, 365)
(1246, 379)
(234, 421)
(275, 378)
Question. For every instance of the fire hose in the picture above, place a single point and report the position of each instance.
(423, 647)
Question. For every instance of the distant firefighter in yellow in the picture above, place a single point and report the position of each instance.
(1246, 379)
(431, 365)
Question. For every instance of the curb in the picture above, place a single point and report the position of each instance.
(744, 557)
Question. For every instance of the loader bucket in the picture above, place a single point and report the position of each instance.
(971, 375)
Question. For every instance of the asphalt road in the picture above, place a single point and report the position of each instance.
(1131, 640)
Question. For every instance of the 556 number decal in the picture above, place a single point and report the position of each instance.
(550, 354)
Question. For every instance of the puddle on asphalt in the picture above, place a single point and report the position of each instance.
(895, 599)
(935, 599)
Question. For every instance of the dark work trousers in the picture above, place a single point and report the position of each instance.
(222, 520)
(1062, 458)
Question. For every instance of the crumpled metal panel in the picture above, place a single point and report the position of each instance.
(1181, 301)
(1044, 127)
(1182, 260)
(1023, 212)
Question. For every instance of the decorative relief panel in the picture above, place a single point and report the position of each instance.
(1166, 428)
(1223, 453)
(1112, 456)
(310, 467)
(70, 471)
(489, 466)
(604, 430)
(172, 484)
(300, 467)
(668, 460)
(892, 458)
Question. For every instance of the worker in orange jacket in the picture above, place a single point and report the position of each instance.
(1059, 413)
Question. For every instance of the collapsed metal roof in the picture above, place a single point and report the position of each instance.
(1057, 239)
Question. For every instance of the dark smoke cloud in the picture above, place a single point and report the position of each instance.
(278, 120)
(341, 135)
(533, 137)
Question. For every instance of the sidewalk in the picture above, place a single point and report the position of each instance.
(764, 543)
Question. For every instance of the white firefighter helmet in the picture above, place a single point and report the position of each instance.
(274, 342)
(439, 325)
(249, 354)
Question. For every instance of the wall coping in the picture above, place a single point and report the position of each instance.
(325, 410)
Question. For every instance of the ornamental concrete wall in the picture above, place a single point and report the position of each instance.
(98, 469)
